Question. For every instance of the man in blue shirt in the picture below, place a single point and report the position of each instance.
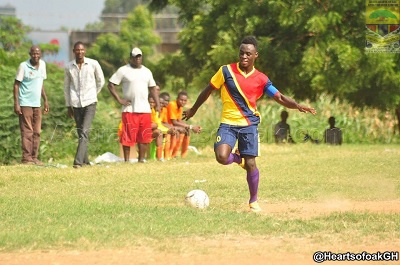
(28, 88)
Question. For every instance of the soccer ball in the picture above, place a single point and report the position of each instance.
(197, 199)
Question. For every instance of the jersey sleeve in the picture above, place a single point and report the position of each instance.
(218, 79)
(269, 89)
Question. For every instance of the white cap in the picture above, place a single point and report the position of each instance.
(136, 51)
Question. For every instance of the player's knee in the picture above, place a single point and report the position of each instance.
(221, 158)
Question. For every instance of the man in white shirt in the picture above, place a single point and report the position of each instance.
(83, 80)
(136, 80)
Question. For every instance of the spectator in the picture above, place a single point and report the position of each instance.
(28, 88)
(83, 80)
(333, 135)
(282, 130)
(182, 137)
(137, 80)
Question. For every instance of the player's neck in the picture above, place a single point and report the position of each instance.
(247, 69)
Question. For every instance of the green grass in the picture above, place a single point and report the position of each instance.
(120, 205)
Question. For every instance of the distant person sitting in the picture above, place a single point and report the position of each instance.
(333, 135)
(282, 130)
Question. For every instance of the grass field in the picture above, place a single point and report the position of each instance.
(315, 197)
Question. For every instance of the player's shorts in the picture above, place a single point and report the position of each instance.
(247, 137)
(136, 128)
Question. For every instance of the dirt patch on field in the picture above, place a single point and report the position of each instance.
(221, 251)
(239, 250)
(308, 210)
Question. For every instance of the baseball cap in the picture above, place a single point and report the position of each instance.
(136, 51)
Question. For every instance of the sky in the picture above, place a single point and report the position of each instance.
(54, 14)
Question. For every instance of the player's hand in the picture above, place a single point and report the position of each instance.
(187, 114)
(196, 129)
(307, 109)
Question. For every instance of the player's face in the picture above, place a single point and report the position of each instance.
(182, 100)
(162, 102)
(152, 103)
(247, 55)
(166, 100)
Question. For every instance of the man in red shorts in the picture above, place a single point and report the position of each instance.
(137, 80)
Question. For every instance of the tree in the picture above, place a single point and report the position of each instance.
(15, 49)
(307, 47)
(121, 6)
(112, 50)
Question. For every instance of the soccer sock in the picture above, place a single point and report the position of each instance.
(159, 152)
(178, 145)
(252, 180)
(185, 146)
(167, 147)
(233, 158)
(174, 142)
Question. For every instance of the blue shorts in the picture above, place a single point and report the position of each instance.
(247, 137)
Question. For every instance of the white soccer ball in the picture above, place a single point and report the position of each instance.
(197, 199)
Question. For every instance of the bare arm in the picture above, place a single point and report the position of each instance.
(17, 108)
(46, 103)
(203, 96)
(291, 104)
(153, 92)
(114, 93)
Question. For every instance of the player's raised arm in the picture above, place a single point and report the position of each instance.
(203, 96)
(292, 104)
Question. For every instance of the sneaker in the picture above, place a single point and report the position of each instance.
(242, 159)
(254, 207)
(77, 166)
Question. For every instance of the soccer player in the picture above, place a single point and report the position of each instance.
(182, 137)
(241, 85)
(158, 129)
(164, 101)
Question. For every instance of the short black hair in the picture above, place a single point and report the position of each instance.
(182, 93)
(79, 43)
(250, 40)
(162, 94)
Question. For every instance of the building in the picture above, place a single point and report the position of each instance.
(8, 10)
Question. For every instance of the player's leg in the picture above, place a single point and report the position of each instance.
(178, 145)
(225, 140)
(185, 144)
(248, 148)
(253, 177)
(167, 146)
(158, 143)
